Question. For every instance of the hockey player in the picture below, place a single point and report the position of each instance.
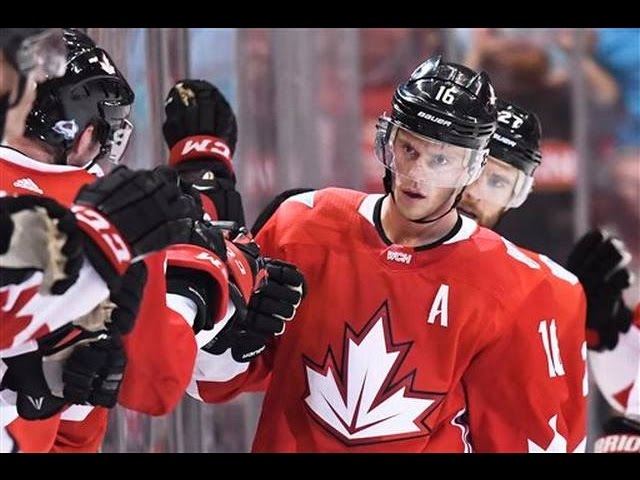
(421, 332)
(598, 260)
(78, 118)
(196, 289)
(40, 331)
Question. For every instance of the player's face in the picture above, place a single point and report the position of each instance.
(416, 163)
(487, 198)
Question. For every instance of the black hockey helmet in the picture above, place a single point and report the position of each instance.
(443, 103)
(91, 92)
(447, 102)
(517, 139)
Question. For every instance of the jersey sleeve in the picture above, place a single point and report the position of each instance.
(161, 350)
(29, 436)
(26, 315)
(526, 389)
(81, 430)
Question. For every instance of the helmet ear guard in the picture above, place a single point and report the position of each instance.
(381, 144)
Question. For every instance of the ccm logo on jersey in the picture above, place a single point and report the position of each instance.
(399, 257)
(104, 235)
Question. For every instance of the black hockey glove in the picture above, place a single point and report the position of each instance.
(599, 261)
(128, 214)
(201, 131)
(94, 372)
(196, 107)
(277, 294)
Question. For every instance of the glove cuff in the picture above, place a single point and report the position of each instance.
(105, 236)
(198, 147)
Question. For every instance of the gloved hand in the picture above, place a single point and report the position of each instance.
(201, 132)
(261, 312)
(200, 273)
(39, 234)
(196, 107)
(25, 376)
(128, 214)
(94, 372)
(599, 261)
(36, 376)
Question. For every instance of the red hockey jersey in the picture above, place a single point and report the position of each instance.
(24, 314)
(161, 348)
(465, 346)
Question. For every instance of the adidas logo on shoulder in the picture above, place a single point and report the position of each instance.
(28, 184)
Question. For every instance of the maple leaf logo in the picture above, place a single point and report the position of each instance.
(358, 402)
(558, 443)
(106, 65)
(14, 320)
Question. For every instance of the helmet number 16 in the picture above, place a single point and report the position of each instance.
(445, 95)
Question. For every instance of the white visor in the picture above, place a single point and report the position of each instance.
(425, 161)
(502, 185)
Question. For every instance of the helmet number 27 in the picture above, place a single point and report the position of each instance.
(509, 118)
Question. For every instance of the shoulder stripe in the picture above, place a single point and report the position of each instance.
(368, 206)
(466, 230)
(307, 198)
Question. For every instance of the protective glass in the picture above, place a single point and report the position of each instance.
(502, 185)
(425, 161)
